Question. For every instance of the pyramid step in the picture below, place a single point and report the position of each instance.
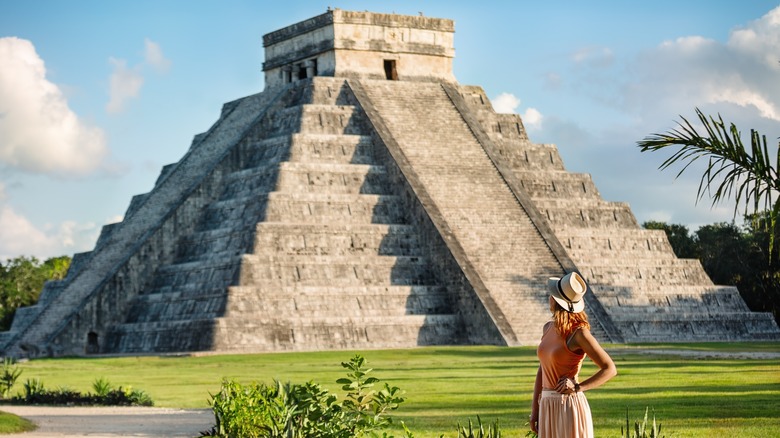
(330, 91)
(334, 208)
(334, 270)
(203, 273)
(696, 324)
(524, 155)
(175, 306)
(218, 243)
(237, 213)
(306, 177)
(648, 262)
(308, 148)
(233, 334)
(302, 207)
(336, 239)
(263, 152)
(333, 119)
(595, 243)
(423, 300)
(583, 214)
(682, 272)
(332, 148)
(722, 298)
(332, 178)
(354, 302)
(558, 185)
(250, 182)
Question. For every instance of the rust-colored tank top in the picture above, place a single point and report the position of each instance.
(556, 359)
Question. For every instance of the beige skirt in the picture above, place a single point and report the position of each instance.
(564, 415)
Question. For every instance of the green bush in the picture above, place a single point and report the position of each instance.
(640, 429)
(101, 387)
(8, 376)
(493, 431)
(305, 410)
(36, 394)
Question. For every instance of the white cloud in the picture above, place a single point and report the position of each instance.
(70, 235)
(594, 56)
(505, 103)
(689, 44)
(745, 97)
(38, 131)
(760, 39)
(153, 56)
(695, 71)
(19, 236)
(125, 84)
(532, 118)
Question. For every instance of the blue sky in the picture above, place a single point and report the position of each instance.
(96, 96)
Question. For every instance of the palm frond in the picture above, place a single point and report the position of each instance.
(732, 170)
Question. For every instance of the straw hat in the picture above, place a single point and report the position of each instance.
(569, 291)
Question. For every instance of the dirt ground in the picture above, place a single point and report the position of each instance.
(109, 422)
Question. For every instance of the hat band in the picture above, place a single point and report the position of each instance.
(563, 295)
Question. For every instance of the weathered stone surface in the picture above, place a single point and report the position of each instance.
(335, 210)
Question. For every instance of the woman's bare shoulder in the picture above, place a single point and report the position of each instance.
(547, 326)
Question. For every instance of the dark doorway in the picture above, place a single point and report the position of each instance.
(390, 71)
(92, 343)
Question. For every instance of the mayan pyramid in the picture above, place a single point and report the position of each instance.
(365, 199)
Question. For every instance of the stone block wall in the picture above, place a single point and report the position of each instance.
(358, 44)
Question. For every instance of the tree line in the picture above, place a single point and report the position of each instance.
(21, 281)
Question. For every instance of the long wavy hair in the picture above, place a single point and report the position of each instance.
(566, 322)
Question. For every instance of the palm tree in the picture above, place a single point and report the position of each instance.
(750, 176)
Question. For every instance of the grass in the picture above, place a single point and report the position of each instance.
(446, 385)
(10, 423)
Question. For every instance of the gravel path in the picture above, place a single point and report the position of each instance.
(110, 422)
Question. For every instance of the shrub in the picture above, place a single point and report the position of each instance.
(305, 410)
(640, 429)
(36, 394)
(8, 376)
(32, 389)
(101, 387)
(493, 431)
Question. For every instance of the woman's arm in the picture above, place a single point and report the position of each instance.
(534, 420)
(585, 341)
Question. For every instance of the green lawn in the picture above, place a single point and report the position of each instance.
(10, 423)
(446, 385)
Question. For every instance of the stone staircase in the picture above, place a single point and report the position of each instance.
(497, 236)
(306, 248)
(649, 294)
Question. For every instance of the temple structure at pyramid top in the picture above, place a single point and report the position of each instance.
(365, 199)
(361, 45)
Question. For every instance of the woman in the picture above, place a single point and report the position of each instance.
(560, 409)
